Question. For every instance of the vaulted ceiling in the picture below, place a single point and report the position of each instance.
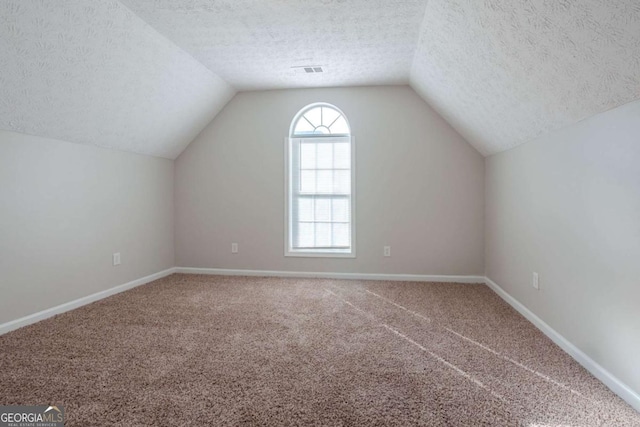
(148, 75)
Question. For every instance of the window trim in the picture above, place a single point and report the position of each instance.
(316, 253)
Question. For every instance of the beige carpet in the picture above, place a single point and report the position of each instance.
(205, 350)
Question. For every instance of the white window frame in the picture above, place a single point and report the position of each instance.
(288, 224)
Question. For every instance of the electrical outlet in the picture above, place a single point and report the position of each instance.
(116, 258)
(387, 251)
(234, 248)
(535, 281)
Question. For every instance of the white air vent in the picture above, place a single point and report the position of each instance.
(308, 69)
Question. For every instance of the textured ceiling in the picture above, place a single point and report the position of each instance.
(253, 44)
(148, 75)
(503, 73)
(93, 72)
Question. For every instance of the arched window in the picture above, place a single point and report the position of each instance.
(320, 175)
(320, 120)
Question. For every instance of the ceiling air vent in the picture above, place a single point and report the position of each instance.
(308, 69)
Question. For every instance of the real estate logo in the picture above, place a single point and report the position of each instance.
(32, 416)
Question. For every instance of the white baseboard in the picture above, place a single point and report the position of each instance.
(329, 275)
(617, 386)
(44, 314)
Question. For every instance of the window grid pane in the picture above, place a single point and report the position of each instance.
(323, 210)
(320, 181)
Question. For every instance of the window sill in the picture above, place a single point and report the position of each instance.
(320, 254)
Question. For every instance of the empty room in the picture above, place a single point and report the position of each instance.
(320, 212)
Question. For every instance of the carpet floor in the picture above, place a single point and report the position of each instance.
(206, 350)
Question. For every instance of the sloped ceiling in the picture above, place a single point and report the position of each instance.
(93, 72)
(503, 73)
(148, 75)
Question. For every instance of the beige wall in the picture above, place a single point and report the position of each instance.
(568, 206)
(419, 186)
(65, 208)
